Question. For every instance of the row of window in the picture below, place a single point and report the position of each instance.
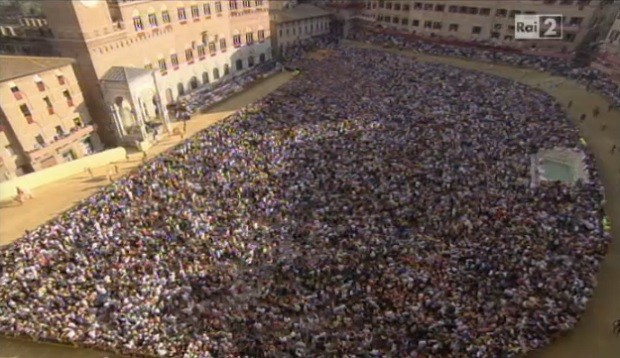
(458, 9)
(40, 85)
(233, 4)
(476, 30)
(309, 29)
(48, 103)
(574, 21)
(60, 133)
(189, 53)
(195, 12)
(165, 16)
(216, 74)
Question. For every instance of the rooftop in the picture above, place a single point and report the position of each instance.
(19, 66)
(299, 12)
(124, 74)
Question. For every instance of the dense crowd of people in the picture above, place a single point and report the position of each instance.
(210, 94)
(297, 50)
(373, 206)
(587, 76)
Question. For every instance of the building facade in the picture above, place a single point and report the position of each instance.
(485, 20)
(296, 24)
(43, 118)
(25, 36)
(184, 45)
(612, 41)
(608, 58)
(276, 5)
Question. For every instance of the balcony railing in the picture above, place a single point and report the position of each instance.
(76, 134)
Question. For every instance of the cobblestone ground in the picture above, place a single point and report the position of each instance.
(592, 336)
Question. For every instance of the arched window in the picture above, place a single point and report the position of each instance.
(226, 70)
(239, 65)
(216, 74)
(205, 77)
(169, 98)
(261, 58)
(137, 21)
(251, 61)
(193, 82)
(153, 22)
(180, 89)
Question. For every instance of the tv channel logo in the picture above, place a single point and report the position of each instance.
(539, 27)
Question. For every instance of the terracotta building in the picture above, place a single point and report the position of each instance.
(485, 20)
(43, 119)
(26, 35)
(297, 23)
(136, 57)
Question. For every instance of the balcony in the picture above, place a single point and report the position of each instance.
(76, 134)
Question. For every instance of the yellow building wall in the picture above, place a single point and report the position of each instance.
(111, 39)
(502, 25)
(8, 189)
(45, 122)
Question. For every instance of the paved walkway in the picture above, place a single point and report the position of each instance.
(592, 337)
